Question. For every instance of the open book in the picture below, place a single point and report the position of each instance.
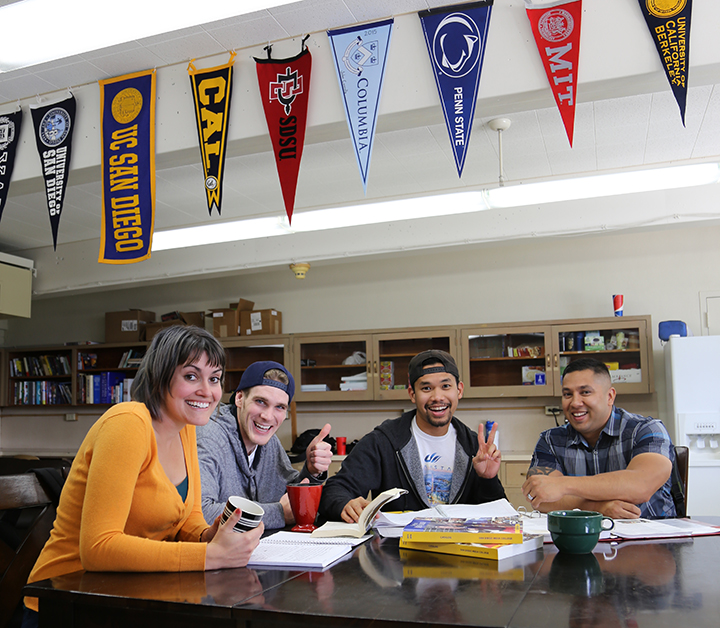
(365, 522)
(295, 550)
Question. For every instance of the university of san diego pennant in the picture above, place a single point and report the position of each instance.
(127, 120)
(9, 133)
(556, 28)
(212, 91)
(455, 38)
(669, 24)
(54, 125)
(284, 89)
(360, 53)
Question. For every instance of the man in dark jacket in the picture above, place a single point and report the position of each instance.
(427, 451)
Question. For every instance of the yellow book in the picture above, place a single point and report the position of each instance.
(456, 530)
(418, 565)
(494, 551)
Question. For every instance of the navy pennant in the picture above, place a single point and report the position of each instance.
(455, 38)
(9, 133)
(669, 24)
(54, 126)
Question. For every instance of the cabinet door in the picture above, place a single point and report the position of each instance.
(507, 362)
(623, 343)
(332, 368)
(392, 354)
(242, 353)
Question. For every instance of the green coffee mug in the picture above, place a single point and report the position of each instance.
(577, 531)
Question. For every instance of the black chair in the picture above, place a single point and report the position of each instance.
(680, 479)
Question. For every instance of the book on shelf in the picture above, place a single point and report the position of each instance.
(459, 530)
(491, 551)
(364, 523)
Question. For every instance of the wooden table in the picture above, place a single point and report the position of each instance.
(643, 584)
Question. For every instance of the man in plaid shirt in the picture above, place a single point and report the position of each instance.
(603, 458)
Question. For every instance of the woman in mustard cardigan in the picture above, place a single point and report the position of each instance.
(134, 484)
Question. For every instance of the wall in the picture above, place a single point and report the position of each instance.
(660, 272)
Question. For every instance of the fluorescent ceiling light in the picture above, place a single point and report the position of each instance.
(441, 205)
(37, 31)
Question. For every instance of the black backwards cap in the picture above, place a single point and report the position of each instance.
(417, 369)
(254, 375)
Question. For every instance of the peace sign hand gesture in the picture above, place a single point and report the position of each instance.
(487, 459)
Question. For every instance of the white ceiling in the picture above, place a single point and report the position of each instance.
(412, 156)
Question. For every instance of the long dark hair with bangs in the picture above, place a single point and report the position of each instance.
(172, 347)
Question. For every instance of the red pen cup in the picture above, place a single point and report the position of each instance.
(340, 442)
(618, 304)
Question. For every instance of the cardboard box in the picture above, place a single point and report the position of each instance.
(260, 322)
(127, 326)
(243, 305)
(226, 322)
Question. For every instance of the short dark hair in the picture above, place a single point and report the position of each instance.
(587, 364)
(172, 347)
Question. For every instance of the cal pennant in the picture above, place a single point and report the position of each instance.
(127, 120)
(360, 53)
(455, 38)
(212, 90)
(669, 25)
(9, 133)
(284, 88)
(556, 27)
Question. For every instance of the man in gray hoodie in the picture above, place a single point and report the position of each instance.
(240, 454)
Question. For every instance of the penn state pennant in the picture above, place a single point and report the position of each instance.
(284, 89)
(54, 126)
(127, 120)
(556, 28)
(9, 133)
(669, 24)
(212, 90)
(455, 38)
(360, 53)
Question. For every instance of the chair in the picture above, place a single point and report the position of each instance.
(27, 513)
(680, 477)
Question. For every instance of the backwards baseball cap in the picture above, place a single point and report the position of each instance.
(417, 369)
(254, 375)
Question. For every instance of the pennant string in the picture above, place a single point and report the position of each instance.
(191, 66)
(233, 54)
(302, 44)
(269, 50)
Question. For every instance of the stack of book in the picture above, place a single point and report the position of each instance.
(492, 538)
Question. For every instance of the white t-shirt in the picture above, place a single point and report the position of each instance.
(437, 458)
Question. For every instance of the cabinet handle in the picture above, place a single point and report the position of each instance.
(547, 361)
(376, 368)
(556, 360)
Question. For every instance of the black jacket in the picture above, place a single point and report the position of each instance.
(388, 457)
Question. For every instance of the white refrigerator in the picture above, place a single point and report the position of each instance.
(692, 373)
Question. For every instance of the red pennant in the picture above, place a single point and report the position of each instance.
(284, 88)
(557, 34)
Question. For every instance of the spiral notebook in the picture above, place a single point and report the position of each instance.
(296, 550)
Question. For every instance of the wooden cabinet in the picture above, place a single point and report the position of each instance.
(39, 377)
(513, 474)
(105, 372)
(527, 360)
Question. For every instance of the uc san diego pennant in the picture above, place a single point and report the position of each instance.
(284, 89)
(212, 89)
(556, 28)
(669, 25)
(127, 112)
(455, 38)
(360, 53)
(54, 126)
(9, 133)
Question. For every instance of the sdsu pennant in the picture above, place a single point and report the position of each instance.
(556, 28)
(284, 89)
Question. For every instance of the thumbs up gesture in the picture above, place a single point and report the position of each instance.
(319, 453)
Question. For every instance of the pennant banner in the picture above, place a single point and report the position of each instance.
(669, 24)
(455, 38)
(284, 89)
(54, 126)
(556, 27)
(212, 90)
(127, 120)
(9, 133)
(360, 53)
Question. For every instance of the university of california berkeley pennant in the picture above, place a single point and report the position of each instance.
(455, 38)
(360, 53)
(127, 121)
(669, 24)
(212, 90)
(284, 89)
(556, 28)
(9, 133)
(54, 126)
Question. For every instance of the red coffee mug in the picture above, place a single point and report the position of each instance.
(340, 445)
(304, 502)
